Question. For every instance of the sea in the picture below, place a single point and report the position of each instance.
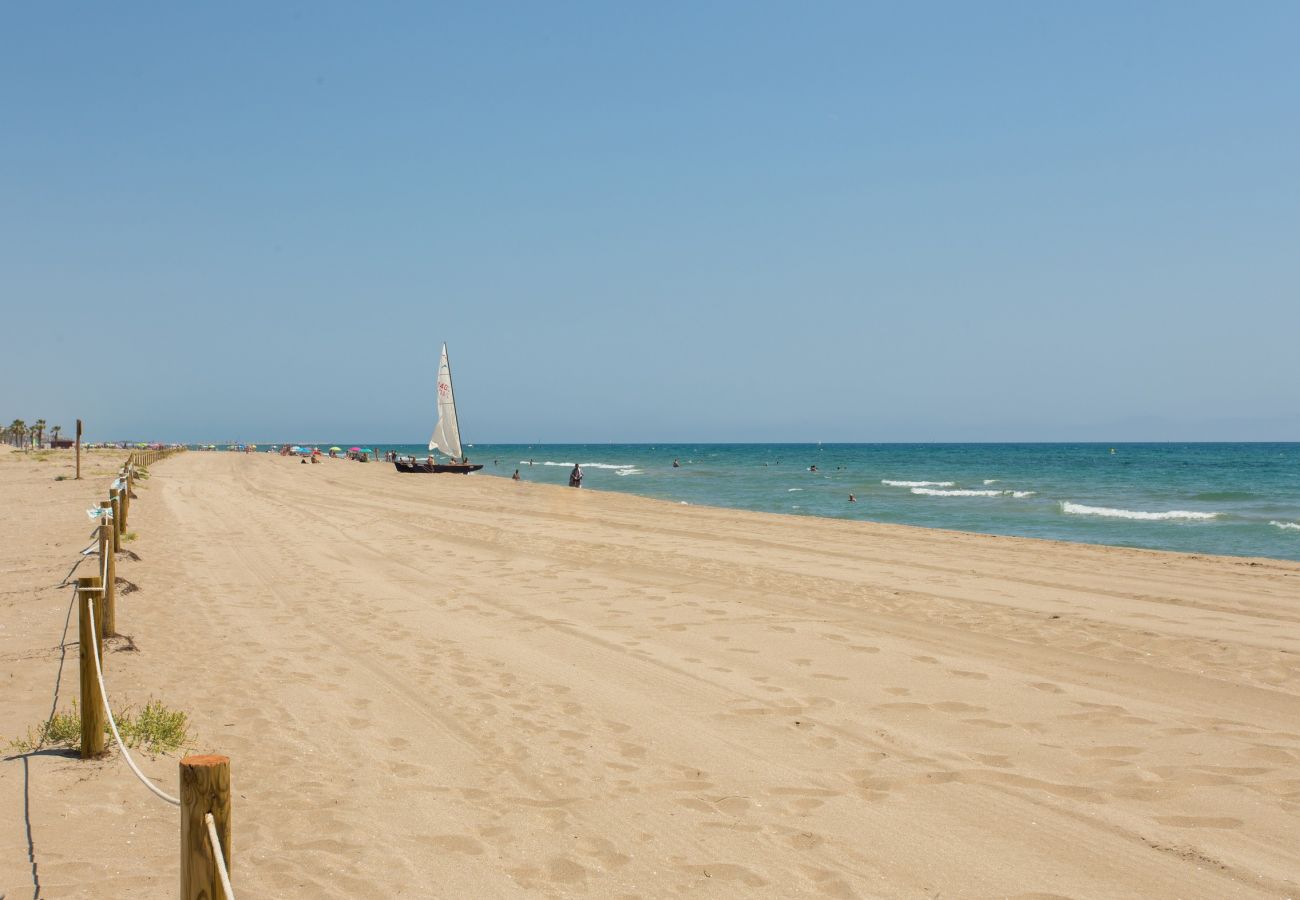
(1240, 499)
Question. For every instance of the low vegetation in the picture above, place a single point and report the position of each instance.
(155, 729)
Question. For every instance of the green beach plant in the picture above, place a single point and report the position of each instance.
(155, 729)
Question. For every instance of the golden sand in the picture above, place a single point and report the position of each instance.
(470, 687)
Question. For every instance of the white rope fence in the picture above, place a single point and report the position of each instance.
(103, 568)
(205, 786)
(112, 723)
(218, 855)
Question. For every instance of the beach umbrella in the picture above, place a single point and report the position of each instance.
(336, 449)
(354, 449)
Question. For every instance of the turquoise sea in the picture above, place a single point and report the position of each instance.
(1238, 499)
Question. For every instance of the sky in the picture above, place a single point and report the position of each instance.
(652, 222)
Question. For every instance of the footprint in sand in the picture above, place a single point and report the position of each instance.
(1046, 687)
(727, 872)
(454, 843)
(563, 870)
(1110, 751)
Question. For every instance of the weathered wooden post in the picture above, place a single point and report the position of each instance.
(108, 565)
(92, 702)
(78, 450)
(205, 788)
(116, 501)
(125, 497)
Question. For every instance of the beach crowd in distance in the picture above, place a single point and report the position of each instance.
(1240, 499)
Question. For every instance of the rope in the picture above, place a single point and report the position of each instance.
(219, 856)
(103, 568)
(112, 723)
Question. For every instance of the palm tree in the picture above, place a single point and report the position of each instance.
(17, 429)
(39, 430)
(54, 432)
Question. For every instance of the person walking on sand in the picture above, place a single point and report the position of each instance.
(575, 477)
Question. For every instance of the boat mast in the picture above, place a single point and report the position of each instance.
(454, 411)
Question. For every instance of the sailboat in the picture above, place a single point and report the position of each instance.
(446, 434)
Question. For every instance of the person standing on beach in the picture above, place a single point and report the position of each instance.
(575, 477)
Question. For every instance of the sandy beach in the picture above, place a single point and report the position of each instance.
(441, 686)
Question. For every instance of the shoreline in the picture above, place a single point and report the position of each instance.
(1229, 500)
(526, 688)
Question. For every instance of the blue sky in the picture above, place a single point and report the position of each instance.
(718, 221)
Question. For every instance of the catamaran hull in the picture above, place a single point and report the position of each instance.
(437, 468)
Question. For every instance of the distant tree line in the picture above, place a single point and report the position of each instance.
(20, 434)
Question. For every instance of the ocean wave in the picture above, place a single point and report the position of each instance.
(1078, 509)
(792, 490)
(930, 492)
(917, 484)
(628, 472)
(1286, 526)
(990, 481)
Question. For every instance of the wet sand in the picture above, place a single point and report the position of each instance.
(450, 686)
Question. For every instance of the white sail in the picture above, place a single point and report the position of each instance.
(446, 434)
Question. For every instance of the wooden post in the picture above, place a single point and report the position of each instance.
(78, 450)
(108, 565)
(205, 788)
(125, 497)
(116, 502)
(92, 702)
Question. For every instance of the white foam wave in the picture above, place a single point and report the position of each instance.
(931, 492)
(1286, 526)
(628, 472)
(792, 490)
(917, 484)
(990, 481)
(1078, 509)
